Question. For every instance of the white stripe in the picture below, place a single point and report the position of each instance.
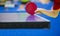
(42, 18)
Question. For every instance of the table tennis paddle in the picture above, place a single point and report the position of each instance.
(30, 8)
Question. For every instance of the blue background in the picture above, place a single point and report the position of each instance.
(53, 31)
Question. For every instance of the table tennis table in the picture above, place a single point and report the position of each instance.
(15, 18)
(22, 20)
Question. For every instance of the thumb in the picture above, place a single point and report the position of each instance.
(37, 9)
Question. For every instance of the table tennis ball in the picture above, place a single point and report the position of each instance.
(30, 8)
(25, 0)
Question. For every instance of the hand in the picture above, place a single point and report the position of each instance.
(38, 11)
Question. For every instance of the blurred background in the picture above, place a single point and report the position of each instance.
(17, 5)
(14, 5)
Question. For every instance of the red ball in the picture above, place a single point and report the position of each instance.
(30, 8)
